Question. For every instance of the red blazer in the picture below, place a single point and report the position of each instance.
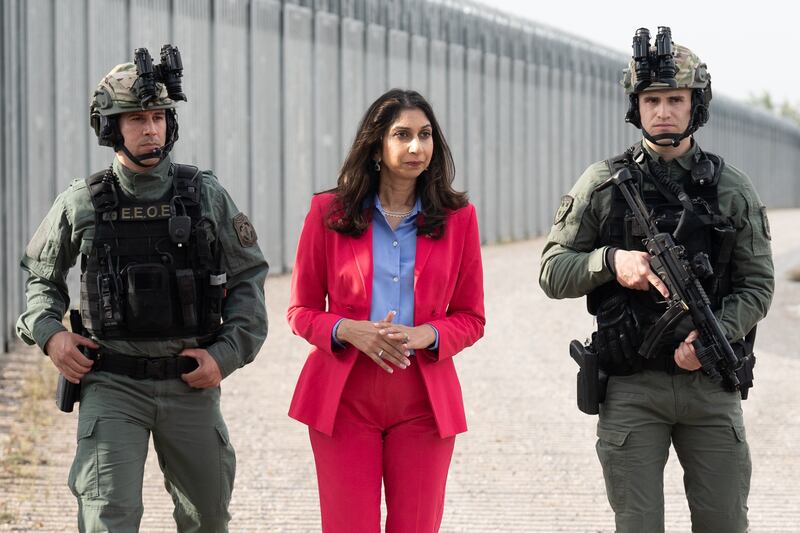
(448, 294)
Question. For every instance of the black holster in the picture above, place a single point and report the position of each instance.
(68, 393)
(591, 380)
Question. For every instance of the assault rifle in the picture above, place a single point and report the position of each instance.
(686, 294)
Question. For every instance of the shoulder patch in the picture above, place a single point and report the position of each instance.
(244, 230)
(765, 223)
(563, 209)
(39, 240)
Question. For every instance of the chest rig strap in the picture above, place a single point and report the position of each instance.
(103, 192)
(188, 182)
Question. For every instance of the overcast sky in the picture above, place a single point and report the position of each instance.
(749, 47)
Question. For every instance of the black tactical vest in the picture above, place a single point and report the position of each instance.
(708, 233)
(153, 271)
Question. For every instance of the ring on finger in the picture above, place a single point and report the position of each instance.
(406, 340)
(380, 354)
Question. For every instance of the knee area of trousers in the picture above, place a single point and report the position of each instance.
(188, 519)
(96, 514)
(650, 521)
(719, 522)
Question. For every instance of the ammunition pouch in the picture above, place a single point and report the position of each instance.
(146, 308)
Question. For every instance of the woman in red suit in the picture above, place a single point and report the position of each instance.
(387, 287)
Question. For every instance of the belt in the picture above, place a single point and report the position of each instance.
(663, 363)
(170, 367)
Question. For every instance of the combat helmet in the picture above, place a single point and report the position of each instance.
(666, 65)
(133, 87)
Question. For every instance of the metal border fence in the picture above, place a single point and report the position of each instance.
(276, 89)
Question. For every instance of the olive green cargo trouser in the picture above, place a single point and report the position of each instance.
(117, 415)
(642, 413)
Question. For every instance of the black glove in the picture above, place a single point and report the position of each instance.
(617, 337)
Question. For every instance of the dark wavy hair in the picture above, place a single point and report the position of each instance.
(358, 178)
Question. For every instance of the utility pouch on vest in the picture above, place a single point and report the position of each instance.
(187, 294)
(591, 381)
(147, 307)
(215, 293)
(633, 233)
(723, 240)
(110, 300)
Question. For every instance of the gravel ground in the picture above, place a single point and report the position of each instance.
(527, 463)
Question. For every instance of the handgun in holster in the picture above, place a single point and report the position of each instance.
(592, 381)
(67, 393)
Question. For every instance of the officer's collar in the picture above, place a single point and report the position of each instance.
(686, 161)
(152, 182)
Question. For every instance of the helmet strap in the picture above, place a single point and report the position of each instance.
(673, 138)
(158, 153)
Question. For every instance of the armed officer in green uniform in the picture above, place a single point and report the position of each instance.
(172, 302)
(595, 249)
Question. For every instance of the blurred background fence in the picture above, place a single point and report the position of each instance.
(276, 89)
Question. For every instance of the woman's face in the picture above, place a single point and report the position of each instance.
(407, 146)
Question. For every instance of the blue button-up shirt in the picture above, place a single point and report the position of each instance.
(393, 257)
(394, 254)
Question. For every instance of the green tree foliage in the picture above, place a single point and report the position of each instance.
(786, 109)
(791, 112)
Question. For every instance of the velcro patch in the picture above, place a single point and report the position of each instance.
(765, 223)
(158, 211)
(563, 209)
(38, 241)
(244, 230)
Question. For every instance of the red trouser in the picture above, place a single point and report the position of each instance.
(384, 429)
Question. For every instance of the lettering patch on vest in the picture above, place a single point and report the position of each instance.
(563, 209)
(244, 230)
(143, 212)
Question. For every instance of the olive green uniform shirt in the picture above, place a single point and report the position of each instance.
(573, 260)
(67, 231)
